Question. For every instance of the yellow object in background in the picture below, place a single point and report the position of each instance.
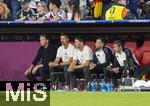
(116, 12)
(98, 6)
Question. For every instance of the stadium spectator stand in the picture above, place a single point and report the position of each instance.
(95, 9)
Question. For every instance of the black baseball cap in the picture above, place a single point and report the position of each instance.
(24, 1)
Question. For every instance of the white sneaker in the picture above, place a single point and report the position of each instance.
(66, 88)
(75, 89)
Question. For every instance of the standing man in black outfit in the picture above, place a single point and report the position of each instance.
(46, 53)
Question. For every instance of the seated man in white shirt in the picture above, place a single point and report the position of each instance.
(81, 61)
(55, 13)
(63, 58)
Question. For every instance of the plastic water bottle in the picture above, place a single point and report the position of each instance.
(108, 87)
(103, 86)
(111, 86)
(94, 86)
(89, 87)
(98, 86)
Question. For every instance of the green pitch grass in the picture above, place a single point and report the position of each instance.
(3, 101)
(99, 99)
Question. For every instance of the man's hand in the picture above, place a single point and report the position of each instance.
(28, 71)
(52, 64)
(115, 70)
(56, 64)
(36, 68)
(109, 68)
(72, 66)
(70, 69)
(92, 66)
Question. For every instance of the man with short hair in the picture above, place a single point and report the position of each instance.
(63, 58)
(121, 55)
(81, 61)
(46, 53)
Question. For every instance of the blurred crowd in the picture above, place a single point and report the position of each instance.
(47, 10)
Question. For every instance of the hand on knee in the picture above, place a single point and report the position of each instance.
(27, 72)
(34, 70)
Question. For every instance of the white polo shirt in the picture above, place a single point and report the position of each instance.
(84, 55)
(101, 56)
(121, 57)
(65, 54)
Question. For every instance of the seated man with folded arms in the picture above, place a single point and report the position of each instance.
(81, 61)
(102, 58)
(46, 53)
(63, 58)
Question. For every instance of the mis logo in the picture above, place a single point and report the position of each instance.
(26, 92)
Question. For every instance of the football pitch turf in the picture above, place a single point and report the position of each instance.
(99, 99)
(3, 101)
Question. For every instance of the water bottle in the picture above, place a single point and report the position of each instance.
(103, 86)
(108, 87)
(94, 86)
(98, 86)
(89, 87)
(111, 86)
